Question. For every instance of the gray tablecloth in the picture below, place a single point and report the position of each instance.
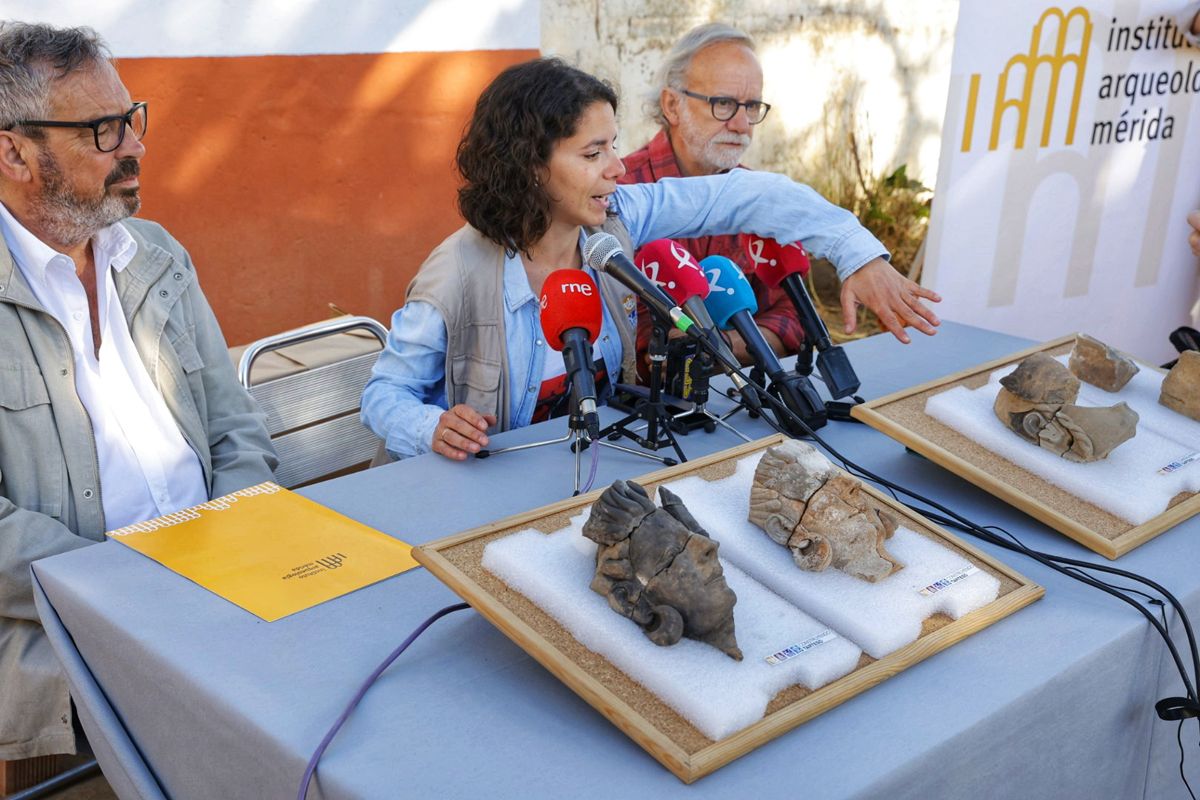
(188, 696)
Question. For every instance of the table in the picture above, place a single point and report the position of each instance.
(185, 695)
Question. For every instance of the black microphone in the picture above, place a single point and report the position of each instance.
(603, 253)
(731, 302)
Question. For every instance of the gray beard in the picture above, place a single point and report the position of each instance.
(69, 218)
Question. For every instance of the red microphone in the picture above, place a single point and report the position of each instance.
(675, 270)
(571, 318)
(786, 265)
(774, 261)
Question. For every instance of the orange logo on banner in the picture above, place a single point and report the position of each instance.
(1058, 23)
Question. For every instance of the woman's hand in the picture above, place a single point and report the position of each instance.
(1194, 234)
(894, 298)
(461, 431)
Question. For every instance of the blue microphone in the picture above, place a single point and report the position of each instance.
(731, 303)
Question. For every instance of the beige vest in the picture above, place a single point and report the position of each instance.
(463, 278)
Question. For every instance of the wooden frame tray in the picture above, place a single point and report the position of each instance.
(666, 736)
(902, 416)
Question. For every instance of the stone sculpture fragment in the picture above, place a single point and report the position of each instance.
(1181, 388)
(1037, 402)
(659, 568)
(821, 515)
(1096, 363)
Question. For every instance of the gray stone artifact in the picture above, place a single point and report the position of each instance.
(1181, 388)
(1098, 364)
(1037, 402)
(659, 568)
(822, 516)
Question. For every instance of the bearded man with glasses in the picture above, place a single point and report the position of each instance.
(118, 401)
(707, 98)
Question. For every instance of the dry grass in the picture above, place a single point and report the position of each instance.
(893, 207)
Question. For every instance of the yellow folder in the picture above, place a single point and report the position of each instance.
(269, 550)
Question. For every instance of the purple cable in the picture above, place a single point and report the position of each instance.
(587, 487)
(316, 756)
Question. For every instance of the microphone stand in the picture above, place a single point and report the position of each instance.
(652, 409)
(832, 362)
(578, 438)
(698, 365)
(576, 433)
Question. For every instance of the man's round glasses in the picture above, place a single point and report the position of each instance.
(109, 132)
(725, 108)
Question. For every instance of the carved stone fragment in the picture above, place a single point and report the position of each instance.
(1040, 379)
(804, 504)
(659, 568)
(1037, 402)
(1181, 388)
(1098, 364)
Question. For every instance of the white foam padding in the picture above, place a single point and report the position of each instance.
(1127, 483)
(879, 617)
(717, 694)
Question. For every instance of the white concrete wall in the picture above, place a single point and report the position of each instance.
(879, 68)
(143, 28)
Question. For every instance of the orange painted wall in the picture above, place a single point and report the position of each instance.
(299, 181)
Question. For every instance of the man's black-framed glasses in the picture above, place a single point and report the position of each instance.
(109, 132)
(725, 108)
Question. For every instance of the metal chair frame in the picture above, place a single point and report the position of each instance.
(312, 416)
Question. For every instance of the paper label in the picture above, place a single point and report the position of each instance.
(1183, 462)
(949, 580)
(803, 647)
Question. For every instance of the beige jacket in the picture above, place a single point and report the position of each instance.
(50, 494)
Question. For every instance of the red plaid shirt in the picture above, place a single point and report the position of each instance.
(775, 311)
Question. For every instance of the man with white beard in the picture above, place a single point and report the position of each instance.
(707, 99)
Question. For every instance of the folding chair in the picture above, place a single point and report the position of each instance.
(312, 415)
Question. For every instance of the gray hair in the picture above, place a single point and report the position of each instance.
(670, 73)
(32, 57)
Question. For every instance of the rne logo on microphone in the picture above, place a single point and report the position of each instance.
(584, 289)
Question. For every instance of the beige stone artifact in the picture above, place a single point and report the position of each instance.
(1037, 402)
(822, 516)
(1181, 388)
(1098, 364)
(659, 568)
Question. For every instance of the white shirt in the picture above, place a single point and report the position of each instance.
(146, 467)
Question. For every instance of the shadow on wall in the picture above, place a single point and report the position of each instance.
(850, 103)
(299, 181)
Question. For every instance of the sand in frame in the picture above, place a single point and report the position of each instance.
(666, 736)
(902, 416)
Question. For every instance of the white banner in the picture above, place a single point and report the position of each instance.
(1069, 164)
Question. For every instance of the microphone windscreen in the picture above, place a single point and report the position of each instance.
(598, 248)
(673, 269)
(773, 261)
(570, 299)
(728, 290)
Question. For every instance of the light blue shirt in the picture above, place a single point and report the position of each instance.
(407, 391)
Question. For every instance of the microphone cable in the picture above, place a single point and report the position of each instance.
(1170, 708)
(311, 767)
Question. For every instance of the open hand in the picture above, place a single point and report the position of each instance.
(894, 298)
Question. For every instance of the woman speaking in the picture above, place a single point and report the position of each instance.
(466, 355)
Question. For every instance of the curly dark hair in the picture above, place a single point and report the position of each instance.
(507, 144)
